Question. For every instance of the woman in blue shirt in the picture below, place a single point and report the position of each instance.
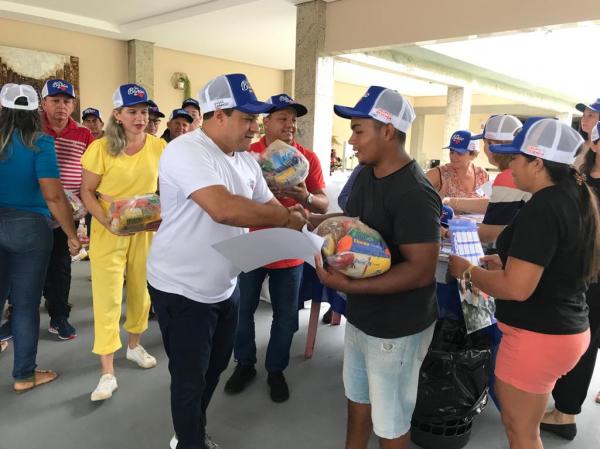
(30, 193)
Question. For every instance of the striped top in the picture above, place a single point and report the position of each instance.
(506, 200)
(70, 146)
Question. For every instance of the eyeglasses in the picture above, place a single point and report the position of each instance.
(156, 121)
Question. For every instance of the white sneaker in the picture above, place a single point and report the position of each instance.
(210, 444)
(141, 357)
(105, 388)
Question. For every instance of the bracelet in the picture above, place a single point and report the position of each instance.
(467, 273)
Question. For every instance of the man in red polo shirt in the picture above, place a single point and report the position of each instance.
(284, 275)
(70, 140)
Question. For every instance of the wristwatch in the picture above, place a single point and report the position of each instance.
(309, 199)
(467, 276)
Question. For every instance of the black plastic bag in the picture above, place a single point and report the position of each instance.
(454, 374)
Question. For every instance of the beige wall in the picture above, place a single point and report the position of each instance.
(476, 100)
(395, 22)
(102, 62)
(103, 65)
(201, 69)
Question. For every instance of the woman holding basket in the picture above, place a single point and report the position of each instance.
(122, 164)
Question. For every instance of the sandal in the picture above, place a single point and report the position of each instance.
(40, 377)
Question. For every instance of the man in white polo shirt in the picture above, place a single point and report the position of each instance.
(211, 190)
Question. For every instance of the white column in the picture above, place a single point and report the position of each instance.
(458, 111)
(565, 117)
(141, 64)
(313, 81)
(417, 132)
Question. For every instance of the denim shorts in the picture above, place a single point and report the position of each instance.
(385, 373)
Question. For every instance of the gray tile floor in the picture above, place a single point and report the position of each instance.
(61, 416)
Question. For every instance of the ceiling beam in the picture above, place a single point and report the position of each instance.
(489, 109)
(420, 63)
(125, 31)
(59, 19)
(200, 8)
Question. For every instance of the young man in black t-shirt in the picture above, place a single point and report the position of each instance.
(390, 317)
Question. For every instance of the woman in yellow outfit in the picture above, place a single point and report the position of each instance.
(122, 164)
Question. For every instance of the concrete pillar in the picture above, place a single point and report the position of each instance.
(288, 82)
(314, 81)
(141, 64)
(417, 133)
(458, 111)
(565, 117)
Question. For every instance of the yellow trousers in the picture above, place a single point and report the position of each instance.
(110, 257)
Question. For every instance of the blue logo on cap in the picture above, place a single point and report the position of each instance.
(244, 96)
(57, 87)
(284, 101)
(245, 86)
(136, 91)
(60, 85)
(461, 140)
(130, 95)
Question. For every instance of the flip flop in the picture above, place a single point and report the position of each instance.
(40, 377)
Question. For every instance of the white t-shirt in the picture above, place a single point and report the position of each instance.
(181, 259)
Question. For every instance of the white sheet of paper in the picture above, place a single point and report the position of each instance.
(486, 189)
(265, 246)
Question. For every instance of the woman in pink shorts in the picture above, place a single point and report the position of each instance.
(545, 256)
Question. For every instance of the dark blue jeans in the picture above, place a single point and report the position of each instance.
(198, 340)
(284, 287)
(25, 245)
(58, 276)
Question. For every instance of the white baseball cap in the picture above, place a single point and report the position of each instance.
(231, 91)
(501, 127)
(545, 138)
(19, 96)
(383, 105)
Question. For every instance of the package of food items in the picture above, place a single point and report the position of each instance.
(283, 165)
(82, 234)
(353, 248)
(136, 214)
(79, 210)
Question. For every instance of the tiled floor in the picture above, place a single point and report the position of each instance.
(61, 416)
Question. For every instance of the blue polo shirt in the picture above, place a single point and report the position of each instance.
(20, 169)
